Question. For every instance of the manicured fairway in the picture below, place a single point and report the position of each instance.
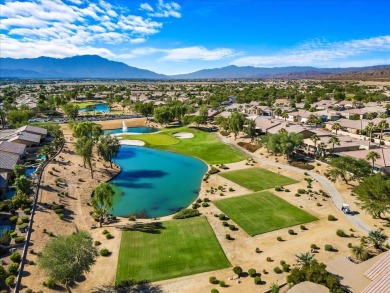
(204, 145)
(184, 247)
(257, 179)
(262, 212)
(154, 139)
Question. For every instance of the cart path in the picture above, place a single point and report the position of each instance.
(328, 186)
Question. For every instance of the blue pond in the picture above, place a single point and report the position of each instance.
(140, 129)
(155, 181)
(97, 108)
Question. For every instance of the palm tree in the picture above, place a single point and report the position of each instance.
(322, 147)
(370, 128)
(359, 252)
(313, 120)
(284, 115)
(274, 288)
(334, 140)
(102, 201)
(336, 127)
(372, 156)
(383, 124)
(84, 148)
(305, 258)
(377, 238)
(278, 112)
(314, 138)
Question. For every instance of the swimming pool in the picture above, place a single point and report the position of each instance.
(97, 108)
(132, 130)
(158, 182)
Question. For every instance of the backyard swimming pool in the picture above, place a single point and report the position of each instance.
(157, 182)
(97, 108)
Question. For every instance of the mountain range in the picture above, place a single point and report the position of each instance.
(96, 67)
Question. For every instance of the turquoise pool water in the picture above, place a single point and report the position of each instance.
(97, 108)
(140, 129)
(29, 171)
(4, 228)
(158, 182)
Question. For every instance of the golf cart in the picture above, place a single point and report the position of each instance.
(345, 208)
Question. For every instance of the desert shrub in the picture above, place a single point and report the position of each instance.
(222, 217)
(213, 280)
(205, 204)
(97, 243)
(341, 233)
(225, 224)
(248, 146)
(269, 259)
(104, 252)
(257, 280)
(303, 227)
(23, 226)
(278, 188)
(287, 190)
(199, 200)
(313, 246)
(61, 216)
(25, 219)
(332, 218)
(10, 281)
(252, 273)
(13, 219)
(13, 268)
(27, 211)
(328, 247)
(212, 171)
(13, 234)
(195, 206)
(15, 257)
(228, 237)
(186, 213)
(232, 227)
(237, 270)
(277, 270)
(222, 284)
(349, 245)
(59, 211)
(302, 165)
(291, 232)
(19, 239)
(214, 291)
(109, 236)
(279, 238)
(206, 199)
(297, 195)
(31, 262)
(286, 267)
(231, 189)
(301, 191)
(49, 283)
(29, 291)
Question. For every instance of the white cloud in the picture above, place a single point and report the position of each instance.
(167, 9)
(197, 53)
(146, 6)
(318, 52)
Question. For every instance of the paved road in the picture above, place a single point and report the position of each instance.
(328, 186)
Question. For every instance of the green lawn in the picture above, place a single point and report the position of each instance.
(155, 139)
(85, 104)
(262, 212)
(204, 145)
(257, 179)
(184, 247)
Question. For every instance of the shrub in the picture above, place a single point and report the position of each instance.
(58, 211)
(49, 283)
(231, 189)
(27, 211)
(225, 224)
(13, 219)
(15, 257)
(61, 216)
(248, 146)
(328, 247)
(13, 234)
(257, 280)
(186, 213)
(222, 217)
(104, 252)
(228, 237)
(213, 170)
(222, 284)
(205, 204)
(286, 268)
(277, 270)
(252, 273)
(313, 246)
(109, 236)
(279, 238)
(302, 165)
(206, 199)
(269, 259)
(301, 191)
(332, 218)
(97, 243)
(291, 232)
(349, 245)
(25, 219)
(213, 280)
(29, 291)
(23, 226)
(31, 262)
(278, 188)
(105, 232)
(341, 233)
(287, 190)
(214, 291)
(237, 270)
(13, 268)
(10, 281)
(303, 227)
(232, 227)
(19, 239)
(199, 200)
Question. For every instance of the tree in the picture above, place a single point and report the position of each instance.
(102, 200)
(284, 115)
(19, 117)
(237, 270)
(23, 184)
(313, 120)
(278, 112)
(359, 252)
(19, 170)
(236, 123)
(84, 148)
(87, 129)
(20, 199)
(322, 149)
(282, 142)
(352, 168)
(334, 140)
(373, 194)
(71, 110)
(372, 156)
(335, 173)
(46, 150)
(162, 115)
(305, 258)
(314, 138)
(383, 124)
(377, 238)
(336, 127)
(250, 128)
(108, 147)
(370, 128)
(66, 258)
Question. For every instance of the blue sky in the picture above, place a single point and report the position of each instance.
(187, 35)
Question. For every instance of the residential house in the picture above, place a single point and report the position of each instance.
(34, 130)
(13, 148)
(381, 165)
(28, 139)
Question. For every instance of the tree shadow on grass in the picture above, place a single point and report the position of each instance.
(142, 288)
(152, 228)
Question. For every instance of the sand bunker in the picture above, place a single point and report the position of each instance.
(132, 142)
(183, 135)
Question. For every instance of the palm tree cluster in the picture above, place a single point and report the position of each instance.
(376, 238)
